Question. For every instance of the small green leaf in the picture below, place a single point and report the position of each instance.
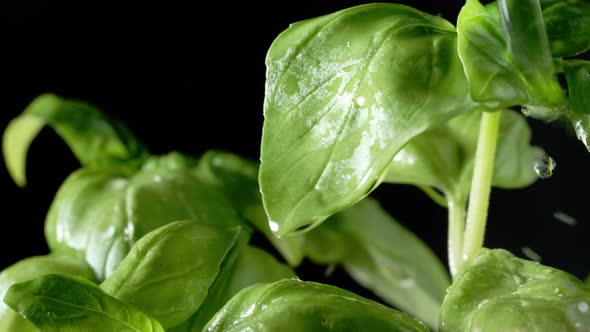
(383, 256)
(577, 73)
(102, 214)
(500, 292)
(344, 93)
(96, 140)
(252, 266)
(238, 178)
(30, 268)
(568, 26)
(443, 156)
(508, 61)
(61, 303)
(168, 271)
(294, 305)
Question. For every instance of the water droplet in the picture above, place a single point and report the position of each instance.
(329, 270)
(157, 178)
(583, 306)
(531, 254)
(360, 101)
(581, 133)
(564, 218)
(544, 167)
(274, 227)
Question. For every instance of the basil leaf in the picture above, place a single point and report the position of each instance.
(577, 73)
(568, 26)
(96, 140)
(238, 178)
(500, 292)
(443, 157)
(102, 214)
(344, 93)
(65, 303)
(508, 61)
(168, 271)
(295, 305)
(252, 266)
(383, 256)
(30, 268)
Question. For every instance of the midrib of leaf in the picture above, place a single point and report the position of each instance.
(92, 310)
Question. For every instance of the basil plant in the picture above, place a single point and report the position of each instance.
(375, 94)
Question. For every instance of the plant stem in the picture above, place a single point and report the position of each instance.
(481, 184)
(438, 198)
(455, 237)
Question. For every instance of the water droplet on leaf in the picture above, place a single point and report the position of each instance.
(544, 167)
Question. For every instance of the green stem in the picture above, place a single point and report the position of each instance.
(456, 208)
(481, 184)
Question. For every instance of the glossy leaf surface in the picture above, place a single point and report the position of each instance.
(344, 93)
(31, 268)
(295, 305)
(102, 214)
(168, 272)
(251, 266)
(60, 303)
(96, 140)
(443, 157)
(500, 292)
(577, 73)
(507, 59)
(383, 256)
(238, 178)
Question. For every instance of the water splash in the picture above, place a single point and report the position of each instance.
(544, 167)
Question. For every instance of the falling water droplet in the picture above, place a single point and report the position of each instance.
(583, 306)
(531, 254)
(544, 167)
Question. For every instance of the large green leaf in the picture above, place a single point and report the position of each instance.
(252, 266)
(168, 272)
(294, 305)
(97, 141)
(344, 93)
(507, 60)
(238, 178)
(443, 157)
(61, 303)
(102, 214)
(30, 268)
(383, 256)
(500, 292)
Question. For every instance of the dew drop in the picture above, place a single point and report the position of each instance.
(544, 167)
(274, 227)
(360, 101)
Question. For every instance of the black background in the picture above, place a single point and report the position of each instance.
(191, 78)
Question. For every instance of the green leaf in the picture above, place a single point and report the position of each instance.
(252, 266)
(168, 271)
(294, 305)
(383, 256)
(577, 73)
(96, 140)
(500, 292)
(568, 26)
(102, 214)
(56, 303)
(30, 268)
(443, 157)
(344, 93)
(508, 61)
(238, 178)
